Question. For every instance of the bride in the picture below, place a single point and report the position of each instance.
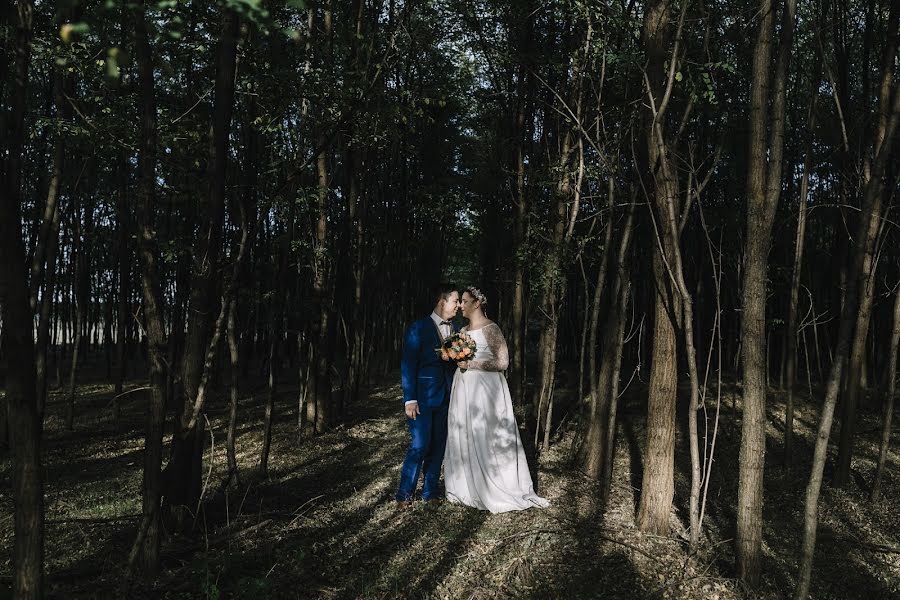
(485, 463)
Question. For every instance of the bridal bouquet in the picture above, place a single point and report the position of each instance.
(459, 347)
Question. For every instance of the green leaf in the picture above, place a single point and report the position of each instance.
(69, 32)
(112, 64)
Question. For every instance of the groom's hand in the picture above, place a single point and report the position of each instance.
(412, 409)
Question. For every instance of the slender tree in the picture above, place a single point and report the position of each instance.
(184, 468)
(890, 388)
(889, 103)
(767, 111)
(147, 543)
(800, 240)
(17, 344)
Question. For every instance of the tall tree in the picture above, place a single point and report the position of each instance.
(658, 485)
(17, 344)
(521, 128)
(147, 544)
(889, 115)
(856, 368)
(43, 262)
(185, 466)
(564, 209)
(767, 114)
(791, 332)
(81, 291)
(599, 442)
(319, 403)
(890, 388)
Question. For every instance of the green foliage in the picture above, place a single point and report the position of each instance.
(211, 590)
(116, 59)
(253, 587)
(699, 79)
(70, 32)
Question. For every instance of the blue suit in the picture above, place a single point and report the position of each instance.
(425, 378)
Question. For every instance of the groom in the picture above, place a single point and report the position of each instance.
(426, 380)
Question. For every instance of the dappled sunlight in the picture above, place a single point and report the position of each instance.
(485, 465)
(849, 524)
(658, 243)
(324, 523)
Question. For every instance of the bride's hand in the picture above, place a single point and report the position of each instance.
(464, 364)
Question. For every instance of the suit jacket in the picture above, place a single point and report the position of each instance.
(424, 377)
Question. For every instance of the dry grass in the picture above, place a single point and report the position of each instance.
(323, 524)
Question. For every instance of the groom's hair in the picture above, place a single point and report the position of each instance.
(442, 291)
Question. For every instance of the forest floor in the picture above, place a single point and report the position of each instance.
(323, 524)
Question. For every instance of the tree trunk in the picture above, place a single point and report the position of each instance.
(123, 230)
(356, 199)
(45, 304)
(319, 405)
(517, 372)
(275, 335)
(604, 380)
(521, 129)
(150, 533)
(235, 344)
(856, 363)
(791, 330)
(566, 197)
(764, 191)
(107, 336)
(658, 483)
(124, 278)
(17, 344)
(43, 266)
(184, 471)
(554, 291)
(320, 399)
(63, 85)
(234, 356)
(856, 372)
(890, 383)
(4, 426)
(690, 351)
(81, 293)
(590, 454)
(610, 451)
(887, 127)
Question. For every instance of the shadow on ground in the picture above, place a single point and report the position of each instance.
(323, 524)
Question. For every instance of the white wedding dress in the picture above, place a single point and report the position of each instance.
(484, 465)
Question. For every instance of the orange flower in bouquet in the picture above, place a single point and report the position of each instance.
(459, 347)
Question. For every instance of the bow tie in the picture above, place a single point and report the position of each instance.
(445, 323)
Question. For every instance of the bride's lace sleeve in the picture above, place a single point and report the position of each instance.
(499, 349)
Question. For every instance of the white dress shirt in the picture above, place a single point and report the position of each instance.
(445, 331)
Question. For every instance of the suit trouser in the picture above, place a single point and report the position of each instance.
(428, 433)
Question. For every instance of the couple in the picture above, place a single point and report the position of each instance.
(467, 411)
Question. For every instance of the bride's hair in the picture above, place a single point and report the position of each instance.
(478, 295)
